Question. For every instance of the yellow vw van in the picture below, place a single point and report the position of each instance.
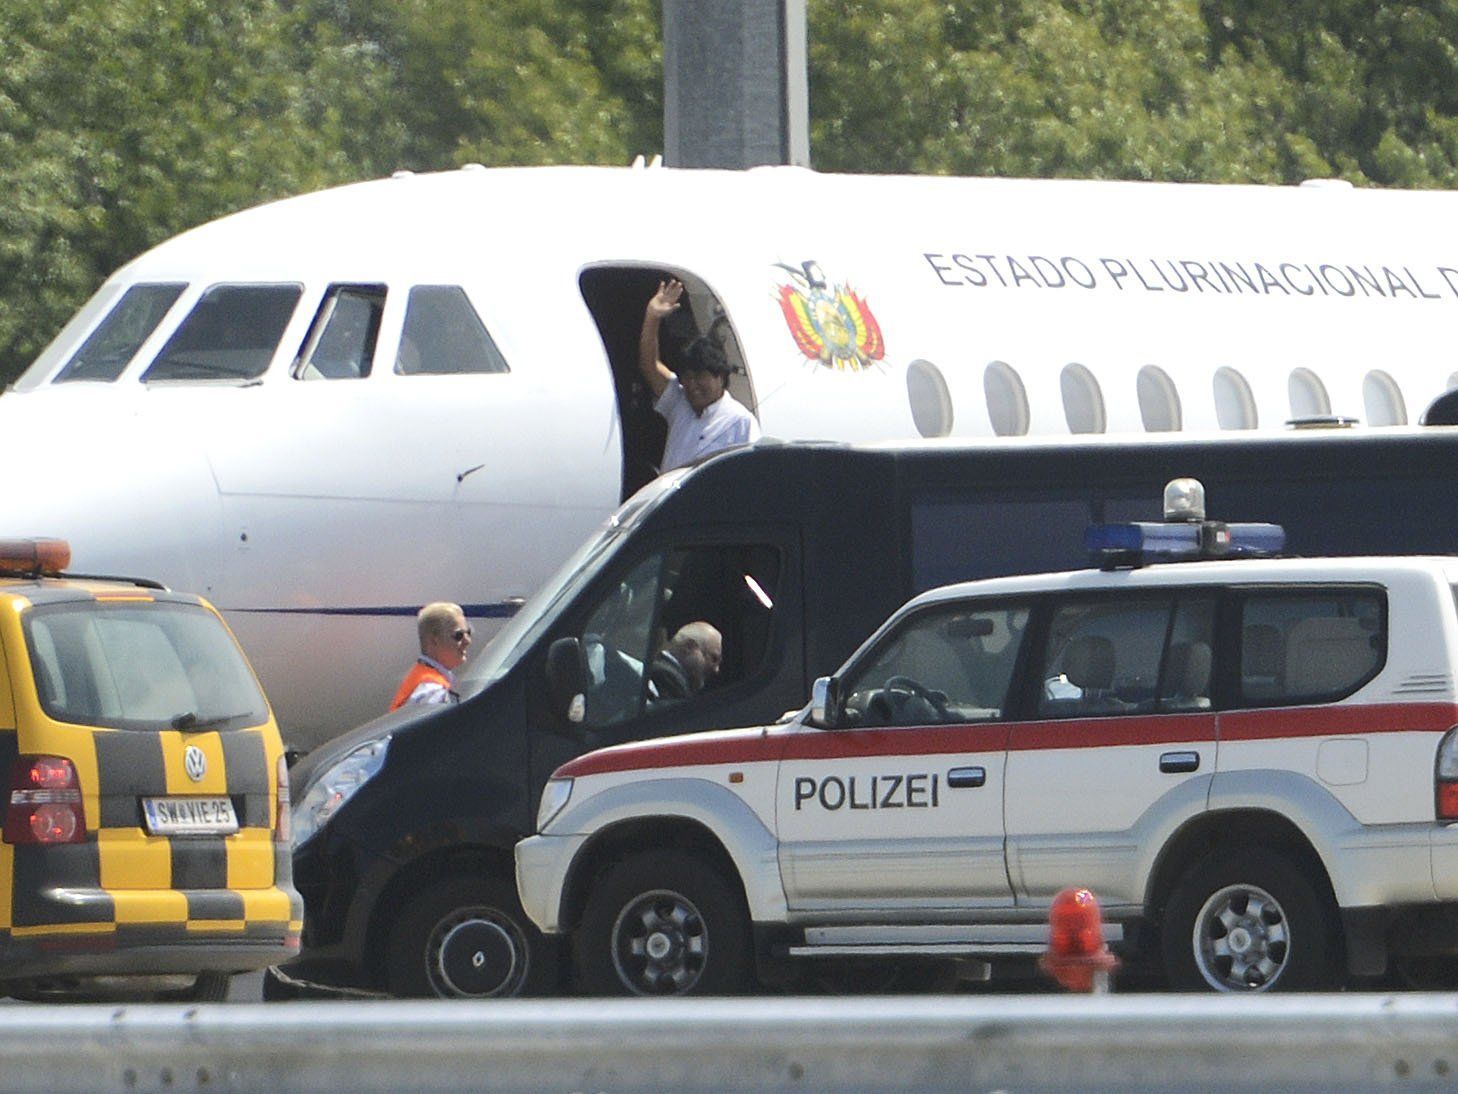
(145, 843)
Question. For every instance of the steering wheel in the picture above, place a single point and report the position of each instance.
(900, 699)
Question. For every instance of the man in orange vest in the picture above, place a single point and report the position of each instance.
(445, 636)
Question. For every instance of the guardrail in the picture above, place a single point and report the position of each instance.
(962, 1043)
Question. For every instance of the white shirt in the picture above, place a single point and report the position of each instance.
(723, 423)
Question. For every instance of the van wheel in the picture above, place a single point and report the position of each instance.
(275, 989)
(209, 987)
(1248, 921)
(663, 923)
(467, 938)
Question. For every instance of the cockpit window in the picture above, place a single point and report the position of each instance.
(231, 334)
(444, 335)
(116, 339)
(341, 343)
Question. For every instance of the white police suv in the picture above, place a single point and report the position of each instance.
(1252, 761)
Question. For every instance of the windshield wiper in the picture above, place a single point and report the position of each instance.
(188, 720)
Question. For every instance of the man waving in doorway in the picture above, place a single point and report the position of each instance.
(702, 416)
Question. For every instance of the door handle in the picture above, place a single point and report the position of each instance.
(966, 776)
(1179, 763)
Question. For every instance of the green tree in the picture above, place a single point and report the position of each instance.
(125, 121)
(522, 81)
(1373, 86)
(1215, 90)
(1101, 89)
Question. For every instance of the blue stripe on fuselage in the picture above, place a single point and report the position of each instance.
(472, 611)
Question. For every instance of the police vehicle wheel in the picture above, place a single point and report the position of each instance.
(467, 938)
(664, 923)
(1249, 921)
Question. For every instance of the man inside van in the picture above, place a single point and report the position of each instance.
(702, 417)
(445, 636)
(686, 665)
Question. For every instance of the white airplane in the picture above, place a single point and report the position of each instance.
(325, 411)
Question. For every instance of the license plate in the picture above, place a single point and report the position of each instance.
(190, 816)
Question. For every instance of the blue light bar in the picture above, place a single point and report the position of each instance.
(1139, 543)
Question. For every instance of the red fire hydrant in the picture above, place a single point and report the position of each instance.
(1077, 957)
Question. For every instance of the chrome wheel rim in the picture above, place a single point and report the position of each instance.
(660, 944)
(476, 953)
(1242, 942)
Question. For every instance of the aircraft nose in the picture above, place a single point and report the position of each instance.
(128, 499)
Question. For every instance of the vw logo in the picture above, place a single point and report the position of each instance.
(195, 763)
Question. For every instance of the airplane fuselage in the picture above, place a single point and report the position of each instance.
(325, 412)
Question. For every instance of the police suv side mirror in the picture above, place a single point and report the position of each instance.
(825, 702)
(567, 679)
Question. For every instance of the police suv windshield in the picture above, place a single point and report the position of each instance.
(513, 640)
(145, 665)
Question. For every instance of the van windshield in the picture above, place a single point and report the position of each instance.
(541, 610)
(144, 665)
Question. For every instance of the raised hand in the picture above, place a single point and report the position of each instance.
(666, 300)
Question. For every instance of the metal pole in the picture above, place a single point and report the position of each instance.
(735, 89)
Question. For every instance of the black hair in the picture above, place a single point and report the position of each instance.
(706, 355)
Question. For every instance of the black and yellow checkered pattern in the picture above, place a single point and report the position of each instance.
(121, 877)
(123, 886)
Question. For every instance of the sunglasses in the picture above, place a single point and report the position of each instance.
(460, 633)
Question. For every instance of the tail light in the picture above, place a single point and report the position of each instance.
(283, 825)
(1445, 777)
(45, 802)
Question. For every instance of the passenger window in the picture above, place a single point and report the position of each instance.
(1083, 402)
(443, 335)
(1189, 660)
(1127, 657)
(231, 334)
(950, 665)
(1307, 394)
(1310, 647)
(680, 624)
(341, 342)
(116, 339)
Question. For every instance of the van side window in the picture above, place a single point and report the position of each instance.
(115, 341)
(231, 334)
(632, 631)
(444, 335)
(341, 342)
(949, 665)
(1310, 647)
(1113, 657)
